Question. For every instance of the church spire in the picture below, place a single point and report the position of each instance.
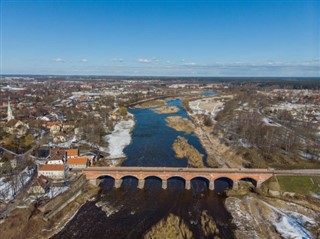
(9, 113)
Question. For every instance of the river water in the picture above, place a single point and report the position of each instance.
(129, 212)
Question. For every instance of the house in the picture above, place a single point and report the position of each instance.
(53, 171)
(78, 163)
(16, 127)
(55, 127)
(72, 153)
(40, 186)
(56, 156)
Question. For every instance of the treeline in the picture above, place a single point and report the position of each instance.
(258, 139)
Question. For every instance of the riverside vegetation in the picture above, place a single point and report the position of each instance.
(174, 227)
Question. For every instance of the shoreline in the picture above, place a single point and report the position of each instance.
(120, 138)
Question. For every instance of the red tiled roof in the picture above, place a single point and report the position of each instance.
(51, 167)
(72, 152)
(77, 161)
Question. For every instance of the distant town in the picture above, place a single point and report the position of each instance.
(52, 128)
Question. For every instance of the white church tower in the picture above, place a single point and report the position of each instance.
(9, 113)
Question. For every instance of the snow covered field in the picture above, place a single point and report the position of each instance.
(119, 138)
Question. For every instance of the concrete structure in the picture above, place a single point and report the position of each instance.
(234, 175)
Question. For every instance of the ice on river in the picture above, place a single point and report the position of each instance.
(119, 138)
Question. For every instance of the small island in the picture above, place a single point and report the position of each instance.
(180, 124)
(184, 150)
(167, 110)
(151, 104)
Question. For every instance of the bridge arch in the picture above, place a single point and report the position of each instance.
(200, 184)
(105, 182)
(153, 177)
(250, 180)
(221, 184)
(129, 176)
(105, 176)
(174, 181)
(129, 182)
(153, 182)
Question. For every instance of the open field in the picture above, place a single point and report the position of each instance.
(299, 184)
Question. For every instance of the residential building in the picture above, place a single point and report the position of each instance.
(72, 153)
(40, 186)
(78, 163)
(53, 171)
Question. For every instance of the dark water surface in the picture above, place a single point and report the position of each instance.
(129, 212)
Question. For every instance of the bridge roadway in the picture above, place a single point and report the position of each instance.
(234, 175)
(257, 176)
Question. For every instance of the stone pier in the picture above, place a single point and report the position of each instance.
(164, 184)
(235, 185)
(117, 183)
(141, 183)
(211, 185)
(188, 185)
(259, 183)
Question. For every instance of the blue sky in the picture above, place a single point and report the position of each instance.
(166, 38)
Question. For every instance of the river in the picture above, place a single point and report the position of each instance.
(129, 212)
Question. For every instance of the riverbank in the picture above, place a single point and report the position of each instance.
(258, 216)
(219, 154)
(118, 140)
(26, 223)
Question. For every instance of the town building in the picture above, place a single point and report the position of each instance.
(56, 156)
(53, 171)
(40, 186)
(78, 163)
(72, 153)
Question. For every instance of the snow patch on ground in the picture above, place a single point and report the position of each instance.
(68, 143)
(290, 224)
(270, 122)
(315, 195)
(55, 191)
(119, 139)
(9, 189)
(255, 217)
(108, 208)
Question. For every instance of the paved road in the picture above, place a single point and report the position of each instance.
(311, 172)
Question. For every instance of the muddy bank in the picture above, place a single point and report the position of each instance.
(184, 150)
(180, 124)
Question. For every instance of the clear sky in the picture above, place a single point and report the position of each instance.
(166, 38)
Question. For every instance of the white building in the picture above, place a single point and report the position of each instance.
(78, 163)
(53, 171)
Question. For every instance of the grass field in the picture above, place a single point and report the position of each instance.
(299, 184)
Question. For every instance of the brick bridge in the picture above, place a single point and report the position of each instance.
(234, 175)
